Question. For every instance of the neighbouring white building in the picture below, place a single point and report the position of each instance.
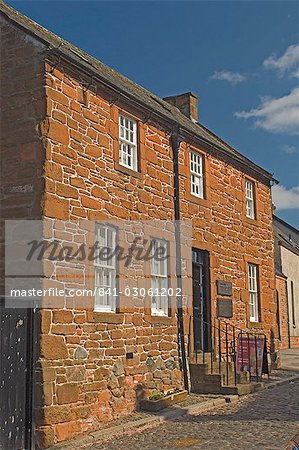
(287, 267)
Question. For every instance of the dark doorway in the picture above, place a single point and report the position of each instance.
(201, 300)
(16, 377)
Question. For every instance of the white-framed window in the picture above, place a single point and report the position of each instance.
(159, 277)
(196, 172)
(105, 269)
(128, 142)
(253, 292)
(249, 195)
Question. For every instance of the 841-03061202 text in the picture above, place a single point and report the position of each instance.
(101, 291)
(140, 292)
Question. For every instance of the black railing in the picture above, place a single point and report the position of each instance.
(233, 351)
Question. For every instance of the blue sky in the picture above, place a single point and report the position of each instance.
(241, 58)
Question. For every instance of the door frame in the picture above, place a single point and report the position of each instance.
(206, 328)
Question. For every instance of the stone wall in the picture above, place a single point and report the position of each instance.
(290, 268)
(87, 379)
(221, 227)
(282, 299)
(284, 341)
(22, 109)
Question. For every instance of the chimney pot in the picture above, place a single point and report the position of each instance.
(187, 103)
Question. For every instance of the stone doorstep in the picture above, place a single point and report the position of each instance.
(136, 426)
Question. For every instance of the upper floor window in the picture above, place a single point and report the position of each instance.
(249, 195)
(196, 169)
(253, 292)
(159, 278)
(105, 269)
(128, 142)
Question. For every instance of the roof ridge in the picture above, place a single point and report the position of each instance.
(288, 225)
(131, 88)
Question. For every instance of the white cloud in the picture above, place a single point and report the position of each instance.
(226, 75)
(285, 198)
(287, 62)
(289, 149)
(296, 74)
(277, 115)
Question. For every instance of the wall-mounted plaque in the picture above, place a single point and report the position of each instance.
(224, 287)
(224, 307)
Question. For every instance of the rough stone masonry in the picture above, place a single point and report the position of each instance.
(60, 135)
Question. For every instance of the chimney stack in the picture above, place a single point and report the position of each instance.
(187, 103)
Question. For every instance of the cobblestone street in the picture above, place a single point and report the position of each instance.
(265, 421)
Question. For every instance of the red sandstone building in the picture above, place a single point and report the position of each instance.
(82, 142)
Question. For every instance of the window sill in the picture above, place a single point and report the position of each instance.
(104, 311)
(161, 320)
(197, 200)
(196, 197)
(156, 314)
(127, 171)
(250, 221)
(255, 324)
(105, 317)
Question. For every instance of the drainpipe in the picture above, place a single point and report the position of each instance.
(288, 313)
(175, 141)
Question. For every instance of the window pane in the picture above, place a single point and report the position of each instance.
(253, 293)
(128, 142)
(105, 284)
(196, 165)
(159, 273)
(249, 195)
(105, 269)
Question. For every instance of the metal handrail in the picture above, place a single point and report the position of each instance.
(245, 330)
(223, 346)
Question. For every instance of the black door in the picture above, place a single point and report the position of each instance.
(16, 382)
(201, 300)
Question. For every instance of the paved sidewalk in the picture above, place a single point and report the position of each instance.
(264, 421)
(289, 359)
(139, 421)
(195, 405)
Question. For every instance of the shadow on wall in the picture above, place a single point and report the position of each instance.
(274, 354)
(140, 395)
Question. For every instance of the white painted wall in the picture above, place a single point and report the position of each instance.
(290, 268)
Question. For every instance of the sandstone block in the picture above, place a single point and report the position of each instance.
(67, 393)
(80, 353)
(63, 316)
(57, 414)
(53, 347)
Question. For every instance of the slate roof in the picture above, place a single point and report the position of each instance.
(286, 235)
(127, 87)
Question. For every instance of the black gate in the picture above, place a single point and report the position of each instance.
(16, 377)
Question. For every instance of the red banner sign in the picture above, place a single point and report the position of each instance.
(250, 354)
